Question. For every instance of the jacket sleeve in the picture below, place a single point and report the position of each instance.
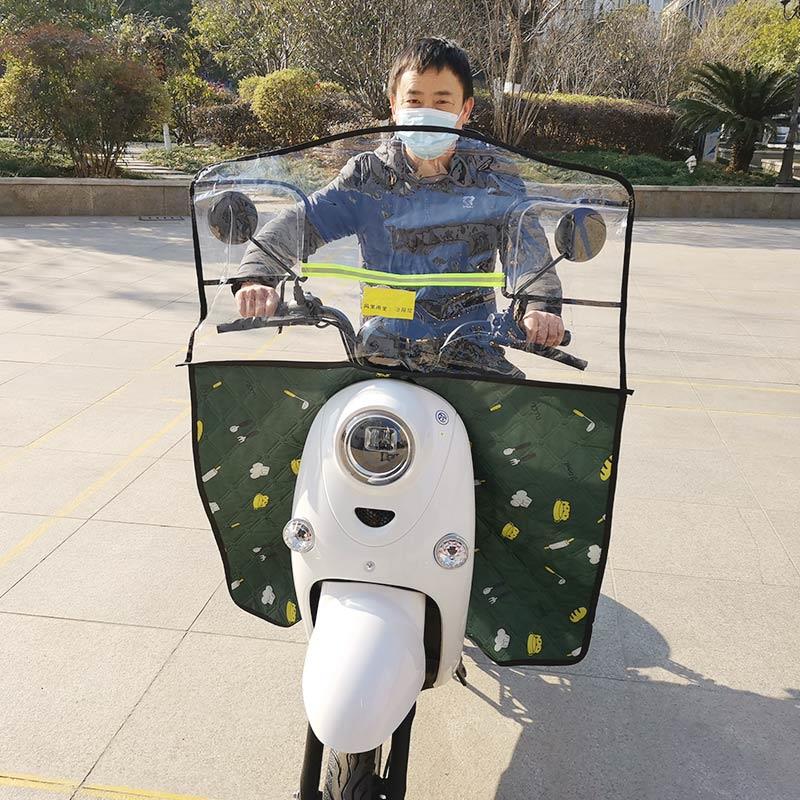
(524, 250)
(295, 233)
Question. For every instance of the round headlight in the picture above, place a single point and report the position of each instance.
(298, 535)
(451, 552)
(376, 447)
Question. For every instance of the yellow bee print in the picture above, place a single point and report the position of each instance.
(510, 531)
(260, 501)
(534, 644)
(605, 470)
(578, 614)
(561, 510)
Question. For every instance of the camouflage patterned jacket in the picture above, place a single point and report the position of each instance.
(410, 225)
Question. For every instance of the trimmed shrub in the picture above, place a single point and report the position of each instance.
(232, 125)
(80, 92)
(289, 105)
(247, 87)
(583, 122)
(188, 92)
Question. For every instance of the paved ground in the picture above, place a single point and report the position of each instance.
(125, 671)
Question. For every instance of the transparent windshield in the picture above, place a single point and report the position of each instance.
(362, 251)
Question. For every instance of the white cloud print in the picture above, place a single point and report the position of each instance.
(268, 596)
(501, 641)
(593, 553)
(520, 499)
(258, 470)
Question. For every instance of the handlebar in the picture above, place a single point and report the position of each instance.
(312, 313)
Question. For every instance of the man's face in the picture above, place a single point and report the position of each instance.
(433, 88)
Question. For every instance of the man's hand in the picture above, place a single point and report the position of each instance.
(543, 328)
(256, 300)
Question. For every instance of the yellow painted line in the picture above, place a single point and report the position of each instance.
(703, 409)
(34, 782)
(66, 509)
(634, 379)
(68, 787)
(76, 501)
(126, 793)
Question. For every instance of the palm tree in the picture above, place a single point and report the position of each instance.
(744, 101)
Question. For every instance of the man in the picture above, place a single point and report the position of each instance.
(423, 202)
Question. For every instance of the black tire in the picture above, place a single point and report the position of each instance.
(350, 776)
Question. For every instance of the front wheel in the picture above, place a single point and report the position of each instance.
(351, 776)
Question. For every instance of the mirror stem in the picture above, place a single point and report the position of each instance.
(535, 277)
(272, 258)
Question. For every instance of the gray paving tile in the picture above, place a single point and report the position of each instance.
(125, 573)
(686, 429)
(690, 341)
(25, 540)
(72, 685)
(165, 494)
(10, 369)
(691, 539)
(734, 368)
(765, 398)
(70, 383)
(718, 634)
(119, 354)
(774, 479)
(65, 324)
(663, 392)
(68, 484)
(778, 556)
(224, 617)
(694, 476)
(17, 346)
(759, 434)
(116, 429)
(253, 748)
(22, 422)
(788, 529)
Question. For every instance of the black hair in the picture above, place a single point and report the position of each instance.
(435, 52)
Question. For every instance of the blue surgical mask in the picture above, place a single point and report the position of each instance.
(427, 144)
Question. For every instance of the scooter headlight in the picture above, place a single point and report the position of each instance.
(451, 552)
(298, 535)
(376, 447)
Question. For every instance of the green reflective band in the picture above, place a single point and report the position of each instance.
(487, 279)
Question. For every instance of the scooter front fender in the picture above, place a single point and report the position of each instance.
(365, 664)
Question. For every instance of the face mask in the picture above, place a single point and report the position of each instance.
(427, 144)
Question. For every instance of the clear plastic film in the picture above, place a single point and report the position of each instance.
(385, 260)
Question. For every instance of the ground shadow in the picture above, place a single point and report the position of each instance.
(631, 737)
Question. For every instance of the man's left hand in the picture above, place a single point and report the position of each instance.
(543, 328)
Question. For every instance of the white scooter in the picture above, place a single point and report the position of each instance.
(383, 512)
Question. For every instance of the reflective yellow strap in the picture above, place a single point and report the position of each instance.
(487, 279)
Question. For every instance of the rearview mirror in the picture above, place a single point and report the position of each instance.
(233, 218)
(581, 234)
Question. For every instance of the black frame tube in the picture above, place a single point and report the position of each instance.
(395, 784)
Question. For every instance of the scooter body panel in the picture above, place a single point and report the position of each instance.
(365, 663)
(434, 497)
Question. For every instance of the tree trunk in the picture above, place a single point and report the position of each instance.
(742, 155)
(786, 175)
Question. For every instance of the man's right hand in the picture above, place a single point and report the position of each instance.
(256, 300)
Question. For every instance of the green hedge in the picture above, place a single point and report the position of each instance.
(232, 125)
(582, 122)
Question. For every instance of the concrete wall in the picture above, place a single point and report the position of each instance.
(707, 202)
(57, 197)
(97, 197)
